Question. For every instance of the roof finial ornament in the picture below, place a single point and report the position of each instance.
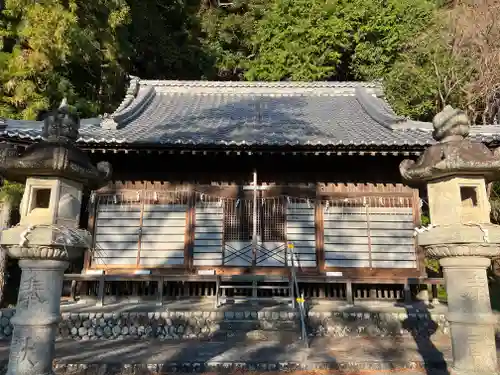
(450, 125)
(454, 153)
(61, 125)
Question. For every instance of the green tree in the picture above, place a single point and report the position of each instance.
(333, 39)
(454, 61)
(426, 77)
(53, 49)
(226, 36)
(164, 37)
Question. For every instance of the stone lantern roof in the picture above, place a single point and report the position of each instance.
(453, 154)
(56, 155)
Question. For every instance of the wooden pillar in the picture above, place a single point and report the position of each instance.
(320, 230)
(349, 296)
(190, 223)
(100, 293)
(161, 282)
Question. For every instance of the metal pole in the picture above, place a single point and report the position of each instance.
(254, 232)
(300, 297)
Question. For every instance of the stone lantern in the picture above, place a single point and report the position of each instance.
(456, 171)
(55, 172)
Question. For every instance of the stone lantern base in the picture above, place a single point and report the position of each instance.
(465, 251)
(37, 315)
(470, 316)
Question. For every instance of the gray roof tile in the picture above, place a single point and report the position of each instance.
(246, 113)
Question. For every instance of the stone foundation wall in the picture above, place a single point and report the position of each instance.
(206, 324)
(343, 324)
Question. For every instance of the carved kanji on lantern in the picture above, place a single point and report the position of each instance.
(31, 292)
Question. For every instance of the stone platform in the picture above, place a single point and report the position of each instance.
(346, 355)
(192, 336)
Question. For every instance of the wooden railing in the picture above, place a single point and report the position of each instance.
(159, 288)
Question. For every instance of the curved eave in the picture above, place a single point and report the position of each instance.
(17, 137)
(332, 150)
(339, 148)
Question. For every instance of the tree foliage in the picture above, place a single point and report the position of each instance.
(427, 52)
(164, 40)
(57, 48)
(454, 62)
(226, 35)
(11, 192)
(333, 39)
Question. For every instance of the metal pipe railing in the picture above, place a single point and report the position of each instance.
(300, 300)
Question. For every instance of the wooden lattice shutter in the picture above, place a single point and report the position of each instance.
(208, 233)
(163, 234)
(370, 234)
(301, 231)
(391, 237)
(117, 228)
(346, 237)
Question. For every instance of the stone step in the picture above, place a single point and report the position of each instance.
(386, 368)
(225, 356)
(253, 313)
(249, 325)
(283, 336)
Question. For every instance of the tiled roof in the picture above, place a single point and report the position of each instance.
(163, 113)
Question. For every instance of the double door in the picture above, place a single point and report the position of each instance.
(255, 232)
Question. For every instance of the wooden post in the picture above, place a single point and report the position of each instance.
(161, 281)
(348, 290)
(190, 223)
(254, 224)
(73, 290)
(135, 291)
(407, 292)
(100, 293)
(320, 231)
(435, 299)
(417, 220)
(368, 232)
(217, 290)
(91, 226)
(143, 198)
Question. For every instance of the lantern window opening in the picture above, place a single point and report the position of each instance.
(41, 198)
(469, 196)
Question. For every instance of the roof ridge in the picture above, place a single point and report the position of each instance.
(135, 100)
(377, 109)
(261, 84)
(130, 93)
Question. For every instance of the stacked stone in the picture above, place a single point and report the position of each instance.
(343, 324)
(205, 324)
(6, 327)
(163, 326)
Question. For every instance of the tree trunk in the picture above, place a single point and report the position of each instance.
(5, 213)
